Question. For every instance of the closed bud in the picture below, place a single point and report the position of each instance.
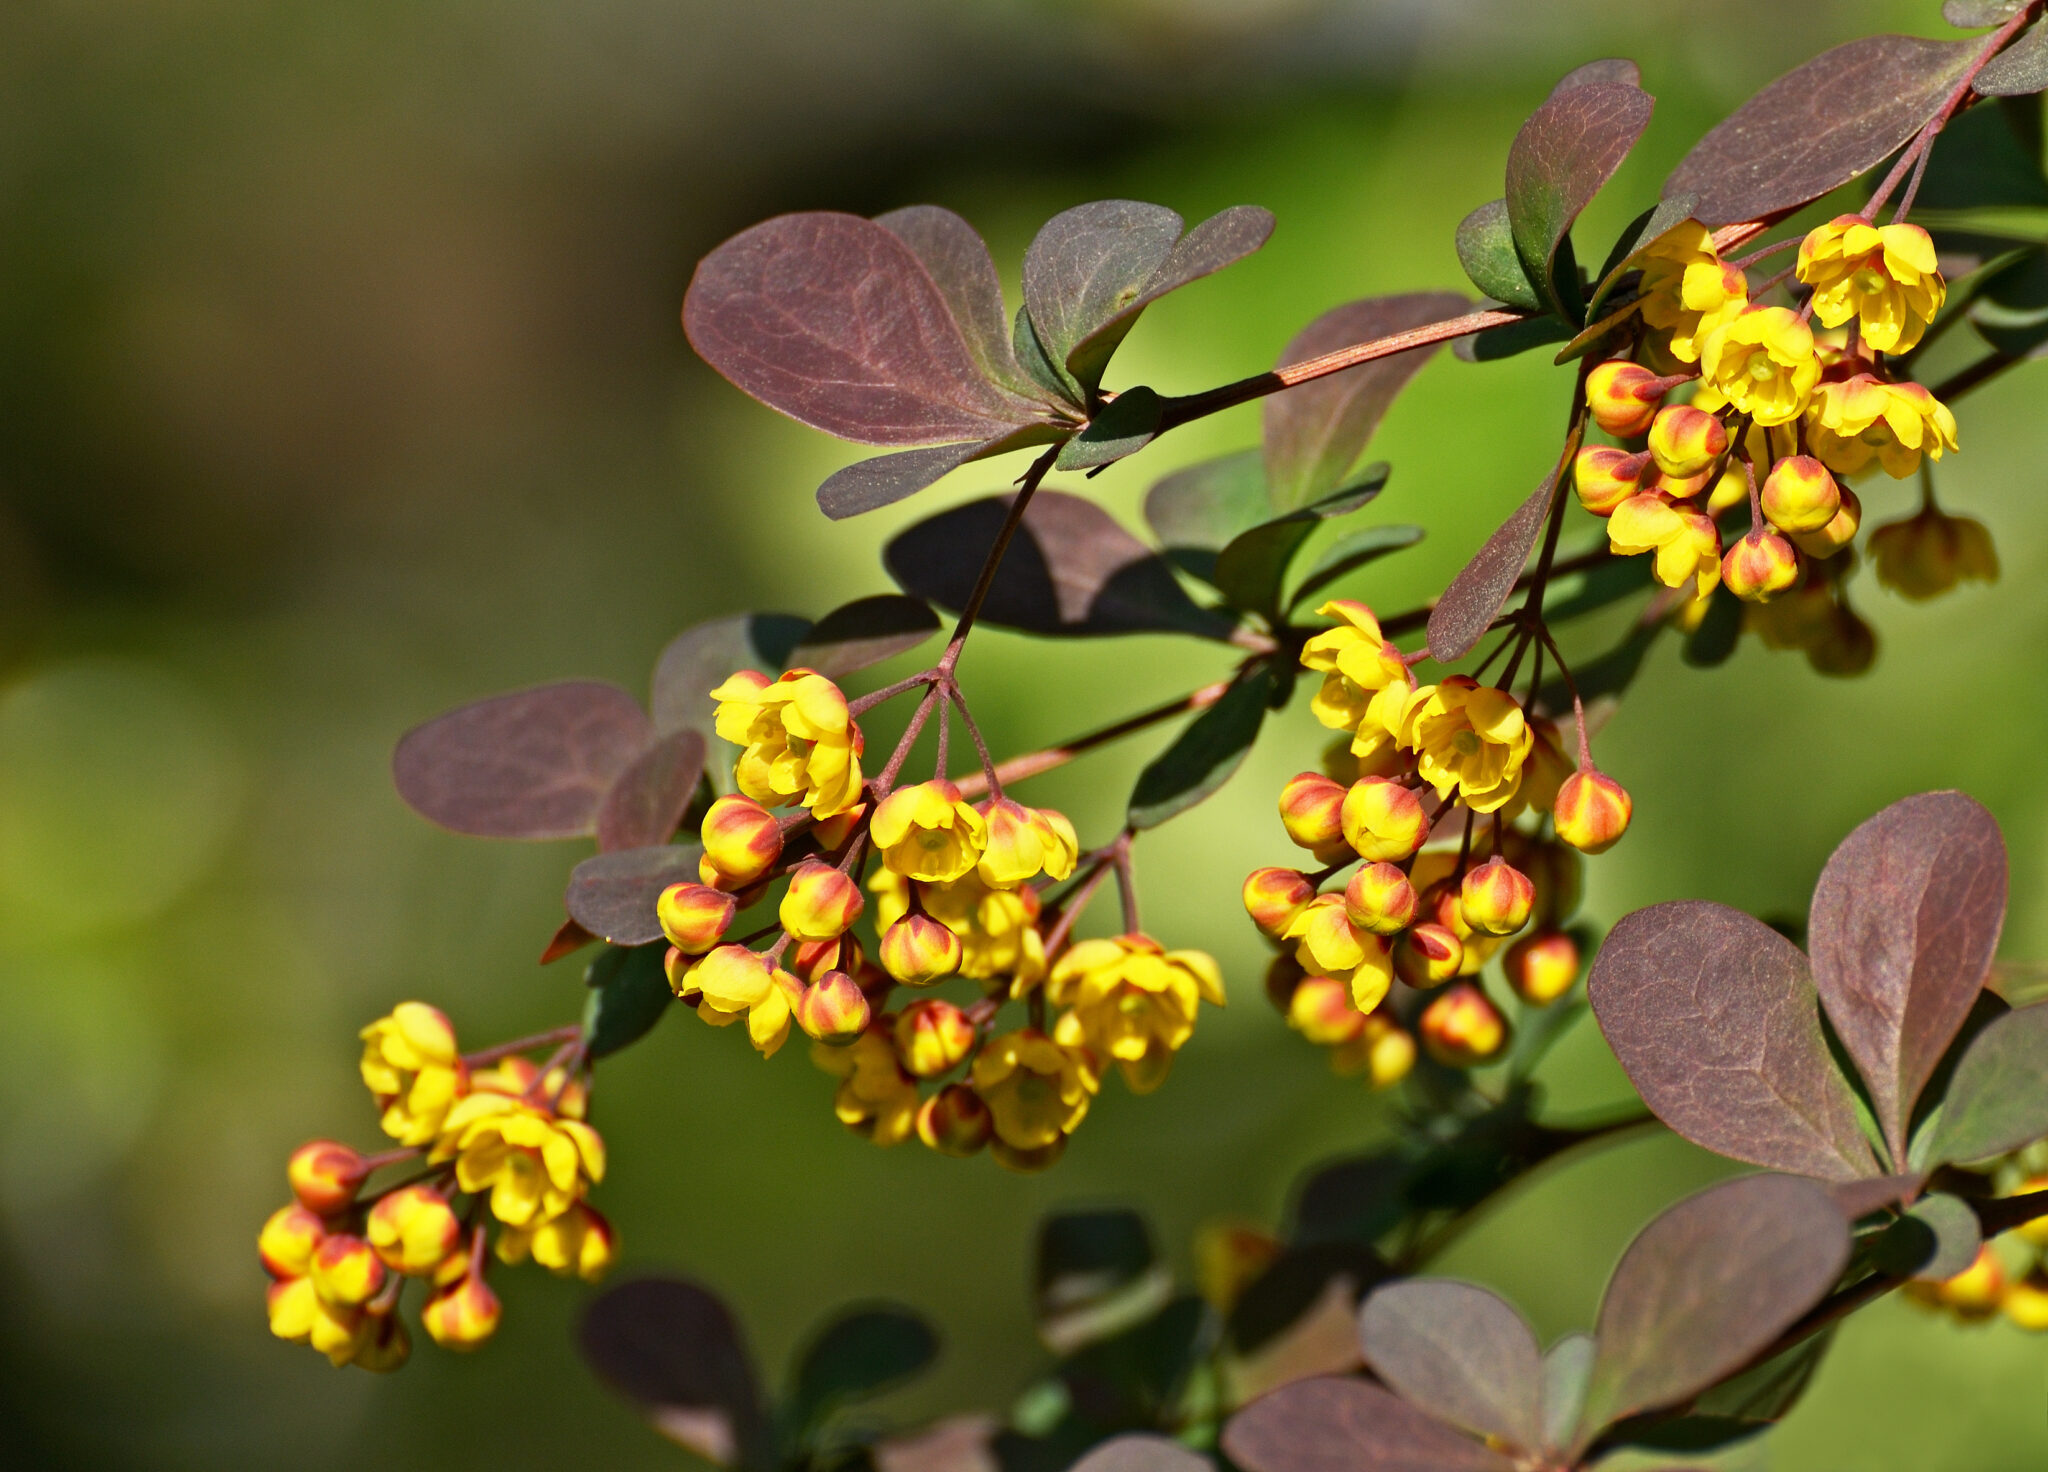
(677, 965)
(820, 903)
(917, 950)
(833, 1009)
(384, 1345)
(1443, 903)
(1604, 477)
(2025, 1302)
(811, 959)
(288, 1241)
(413, 1230)
(955, 1121)
(1273, 897)
(1930, 552)
(1321, 1011)
(1760, 566)
(1799, 495)
(1623, 397)
(742, 841)
(325, 1175)
(1837, 534)
(1496, 898)
(1685, 441)
(694, 917)
(931, 1037)
(1462, 1028)
(462, 1315)
(1311, 810)
(1383, 1050)
(1592, 811)
(1542, 967)
(1383, 820)
(1428, 955)
(1380, 898)
(346, 1270)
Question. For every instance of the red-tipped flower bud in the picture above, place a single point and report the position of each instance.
(325, 1175)
(463, 1315)
(346, 1270)
(1685, 441)
(1837, 534)
(1273, 897)
(1496, 898)
(1383, 820)
(917, 950)
(694, 917)
(833, 1009)
(1760, 566)
(1799, 495)
(1381, 899)
(413, 1230)
(1461, 1028)
(1623, 397)
(932, 1036)
(1311, 809)
(1592, 811)
(1542, 967)
(811, 959)
(288, 1241)
(1428, 955)
(1605, 477)
(742, 841)
(820, 903)
(955, 1121)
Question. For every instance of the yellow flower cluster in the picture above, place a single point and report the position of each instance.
(2009, 1277)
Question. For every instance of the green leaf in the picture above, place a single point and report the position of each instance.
(1350, 552)
(859, 1354)
(629, 992)
(1980, 161)
(1937, 1238)
(1252, 568)
(1039, 365)
(2021, 69)
(1998, 1100)
(1511, 339)
(1123, 426)
(1566, 1366)
(1564, 153)
(1486, 249)
(1195, 512)
(1205, 754)
(1600, 586)
(1097, 1274)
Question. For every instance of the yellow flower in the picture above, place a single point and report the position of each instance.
(928, 831)
(410, 1064)
(535, 1164)
(1857, 418)
(1930, 552)
(1328, 943)
(1025, 842)
(1885, 276)
(1763, 362)
(1687, 290)
(1469, 738)
(734, 982)
(579, 1242)
(1132, 1000)
(1036, 1090)
(1364, 677)
(998, 928)
(1684, 538)
(1383, 1051)
(876, 1098)
(301, 1315)
(800, 745)
(413, 1230)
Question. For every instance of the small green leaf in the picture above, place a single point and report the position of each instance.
(1205, 754)
(1486, 249)
(1937, 1238)
(629, 992)
(1511, 339)
(1567, 1365)
(1350, 552)
(1998, 1099)
(1196, 511)
(858, 1354)
(1123, 426)
(1252, 568)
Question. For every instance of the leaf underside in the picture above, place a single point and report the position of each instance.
(1998, 1100)
(1331, 1424)
(1564, 153)
(673, 1349)
(1460, 1353)
(612, 894)
(1205, 754)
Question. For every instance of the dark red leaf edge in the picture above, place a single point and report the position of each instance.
(1470, 604)
(1564, 153)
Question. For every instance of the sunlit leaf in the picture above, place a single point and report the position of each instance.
(1567, 1365)
(673, 1349)
(1195, 512)
(1937, 1238)
(1458, 1352)
(612, 895)
(1486, 249)
(1097, 1273)
(697, 661)
(1904, 923)
(1138, 1452)
(860, 1353)
(1350, 552)
(866, 631)
(1252, 569)
(1998, 1100)
(1564, 153)
(647, 800)
(1205, 754)
(533, 764)
(869, 485)
(629, 992)
(1970, 15)
(1121, 427)
(958, 261)
(1476, 594)
(1818, 126)
(1333, 1424)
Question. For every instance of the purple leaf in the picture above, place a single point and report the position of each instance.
(673, 1349)
(2020, 70)
(1904, 923)
(1998, 1100)
(646, 801)
(1476, 594)
(1970, 15)
(1070, 570)
(1615, 72)
(1136, 1451)
(612, 895)
(697, 660)
(1460, 1353)
(866, 631)
(1314, 433)
(1564, 153)
(833, 320)
(1818, 126)
(869, 485)
(1334, 1424)
(1713, 1017)
(1860, 1198)
(533, 764)
(1705, 1287)
(958, 261)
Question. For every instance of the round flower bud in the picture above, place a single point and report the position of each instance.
(1381, 899)
(833, 1009)
(385, 1346)
(1461, 1028)
(1496, 898)
(1760, 566)
(1387, 1050)
(413, 1230)
(917, 950)
(1604, 477)
(1442, 903)
(1799, 495)
(1837, 534)
(932, 1036)
(954, 1121)
(288, 1241)
(821, 903)
(1930, 552)
(1542, 967)
(2025, 1302)
(1592, 811)
(811, 959)
(1428, 955)
(694, 917)
(677, 965)
(1623, 397)
(463, 1315)
(1977, 1288)
(1321, 1011)
(1383, 820)
(742, 841)
(1027, 1162)
(1311, 810)
(1685, 441)
(1273, 897)
(346, 1270)
(325, 1175)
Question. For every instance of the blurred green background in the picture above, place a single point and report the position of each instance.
(342, 383)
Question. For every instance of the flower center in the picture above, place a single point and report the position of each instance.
(1761, 367)
(1466, 742)
(1869, 281)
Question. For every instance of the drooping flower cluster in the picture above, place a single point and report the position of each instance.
(506, 1142)
(2009, 1276)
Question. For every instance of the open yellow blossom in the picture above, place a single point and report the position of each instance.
(734, 982)
(535, 1164)
(1132, 1000)
(800, 744)
(1857, 419)
(1762, 361)
(1329, 944)
(1024, 842)
(877, 1099)
(579, 1242)
(1365, 680)
(1037, 1090)
(1885, 276)
(998, 928)
(928, 831)
(1468, 738)
(410, 1064)
(1687, 545)
(1687, 290)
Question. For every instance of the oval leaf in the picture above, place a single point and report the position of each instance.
(2019, 70)
(1221, 240)
(1476, 594)
(866, 631)
(957, 259)
(1071, 570)
(1135, 1451)
(1350, 552)
(834, 321)
(1567, 1365)
(1713, 1017)
(696, 662)
(1818, 126)
(860, 1354)
(1615, 71)
(1904, 923)
(1332, 1424)
(1706, 1286)
(1087, 264)
(1123, 426)
(1564, 153)
(612, 895)
(629, 993)
(1486, 249)
(1315, 432)
(1251, 571)
(1998, 1100)
(1205, 754)
(869, 485)
(1936, 1239)
(1460, 1353)
(533, 764)
(647, 801)
(1195, 512)
(673, 1349)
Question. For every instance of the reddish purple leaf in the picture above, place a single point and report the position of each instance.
(1564, 153)
(1139, 1452)
(1706, 1286)
(869, 485)
(1861, 1198)
(612, 895)
(1713, 1017)
(1818, 126)
(1616, 71)
(674, 1350)
(568, 939)
(1904, 923)
(532, 764)
(2020, 70)
(1337, 1424)
(958, 261)
(1476, 594)
(833, 320)
(646, 802)
(1460, 1353)
(1315, 433)
(864, 632)
(697, 660)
